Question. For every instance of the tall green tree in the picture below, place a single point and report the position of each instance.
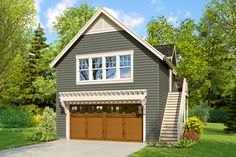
(31, 69)
(71, 21)
(231, 117)
(16, 21)
(28, 81)
(192, 63)
(218, 35)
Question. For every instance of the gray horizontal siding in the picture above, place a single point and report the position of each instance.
(146, 69)
(163, 93)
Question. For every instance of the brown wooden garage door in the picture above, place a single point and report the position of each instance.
(108, 122)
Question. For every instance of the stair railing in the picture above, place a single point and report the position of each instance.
(183, 115)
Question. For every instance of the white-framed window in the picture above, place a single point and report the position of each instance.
(111, 72)
(110, 67)
(125, 66)
(97, 68)
(83, 69)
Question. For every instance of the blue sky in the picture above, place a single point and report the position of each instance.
(133, 13)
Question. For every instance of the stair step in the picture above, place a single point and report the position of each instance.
(168, 114)
(170, 125)
(170, 118)
(174, 98)
(176, 116)
(168, 138)
(169, 129)
(174, 120)
(172, 103)
(168, 132)
(170, 94)
(174, 92)
(171, 112)
(169, 100)
(172, 115)
(172, 107)
(171, 121)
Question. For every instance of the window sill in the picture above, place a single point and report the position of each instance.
(104, 81)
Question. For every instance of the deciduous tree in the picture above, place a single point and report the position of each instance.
(71, 21)
(16, 21)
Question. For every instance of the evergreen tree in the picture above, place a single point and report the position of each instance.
(31, 69)
(231, 119)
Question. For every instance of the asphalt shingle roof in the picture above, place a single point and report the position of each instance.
(166, 50)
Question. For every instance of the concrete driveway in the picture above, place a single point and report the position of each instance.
(74, 148)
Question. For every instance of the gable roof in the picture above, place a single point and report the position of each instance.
(91, 21)
(166, 50)
(169, 51)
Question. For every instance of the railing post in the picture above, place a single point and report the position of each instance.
(182, 112)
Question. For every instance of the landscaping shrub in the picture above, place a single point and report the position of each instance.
(36, 119)
(201, 111)
(185, 143)
(46, 130)
(194, 124)
(13, 118)
(156, 143)
(191, 135)
(34, 108)
(217, 115)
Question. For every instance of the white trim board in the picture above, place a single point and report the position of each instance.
(99, 12)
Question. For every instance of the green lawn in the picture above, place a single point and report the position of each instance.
(15, 137)
(214, 143)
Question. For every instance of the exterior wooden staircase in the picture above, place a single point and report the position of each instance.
(176, 113)
(170, 119)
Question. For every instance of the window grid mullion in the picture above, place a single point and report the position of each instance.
(90, 69)
(104, 68)
(118, 66)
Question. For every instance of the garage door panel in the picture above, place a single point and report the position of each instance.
(78, 128)
(133, 129)
(118, 123)
(94, 128)
(114, 129)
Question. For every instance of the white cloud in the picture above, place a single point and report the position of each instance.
(131, 20)
(172, 19)
(187, 15)
(37, 6)
(52, 13)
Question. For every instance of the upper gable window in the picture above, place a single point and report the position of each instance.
(114, 67)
